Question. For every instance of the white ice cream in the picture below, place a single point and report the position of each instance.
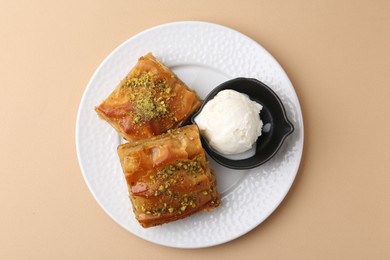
(230, 122)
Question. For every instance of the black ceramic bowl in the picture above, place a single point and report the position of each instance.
(273, 116)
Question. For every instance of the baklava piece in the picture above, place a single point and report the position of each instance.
(168, 176)
(150, 100)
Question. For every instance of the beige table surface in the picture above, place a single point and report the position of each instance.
(337, 55)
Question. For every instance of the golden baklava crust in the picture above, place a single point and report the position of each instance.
(150, 100)
(168, 176)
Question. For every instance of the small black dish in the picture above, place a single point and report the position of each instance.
(273, 116)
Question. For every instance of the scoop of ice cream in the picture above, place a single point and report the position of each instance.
(230, 122)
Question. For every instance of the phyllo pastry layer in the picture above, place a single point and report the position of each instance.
(168, 176)
(150, 100)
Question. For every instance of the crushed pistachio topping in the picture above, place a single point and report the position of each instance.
(168, 176)
(192, 167)
(188, 201)
(207, 192)
(171, 174)
(150, 96)
(163, 188)
(159, 211)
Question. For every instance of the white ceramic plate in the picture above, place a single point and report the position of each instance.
(202, 55)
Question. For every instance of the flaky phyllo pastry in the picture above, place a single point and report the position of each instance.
(150, 100)
(166, 170)
(168, 176)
